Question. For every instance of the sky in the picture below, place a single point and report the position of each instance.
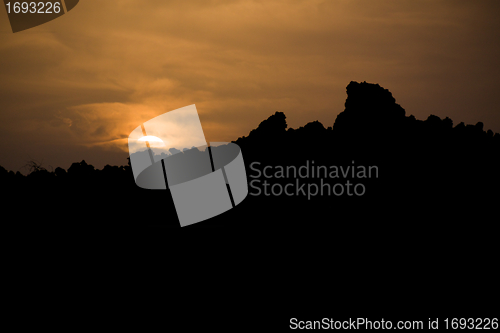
(74, 88)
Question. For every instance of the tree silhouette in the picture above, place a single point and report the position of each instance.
(432, 176)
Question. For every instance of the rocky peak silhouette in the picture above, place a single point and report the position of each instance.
(272, 126)
(367, 106)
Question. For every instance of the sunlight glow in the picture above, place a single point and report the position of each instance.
(151, 138)
(153, 141)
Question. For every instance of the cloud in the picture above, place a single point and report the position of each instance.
(87, 79)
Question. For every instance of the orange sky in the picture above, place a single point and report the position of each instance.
(74, 88)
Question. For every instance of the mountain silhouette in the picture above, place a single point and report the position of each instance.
(411, 176)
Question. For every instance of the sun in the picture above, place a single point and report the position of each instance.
(153, 141)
